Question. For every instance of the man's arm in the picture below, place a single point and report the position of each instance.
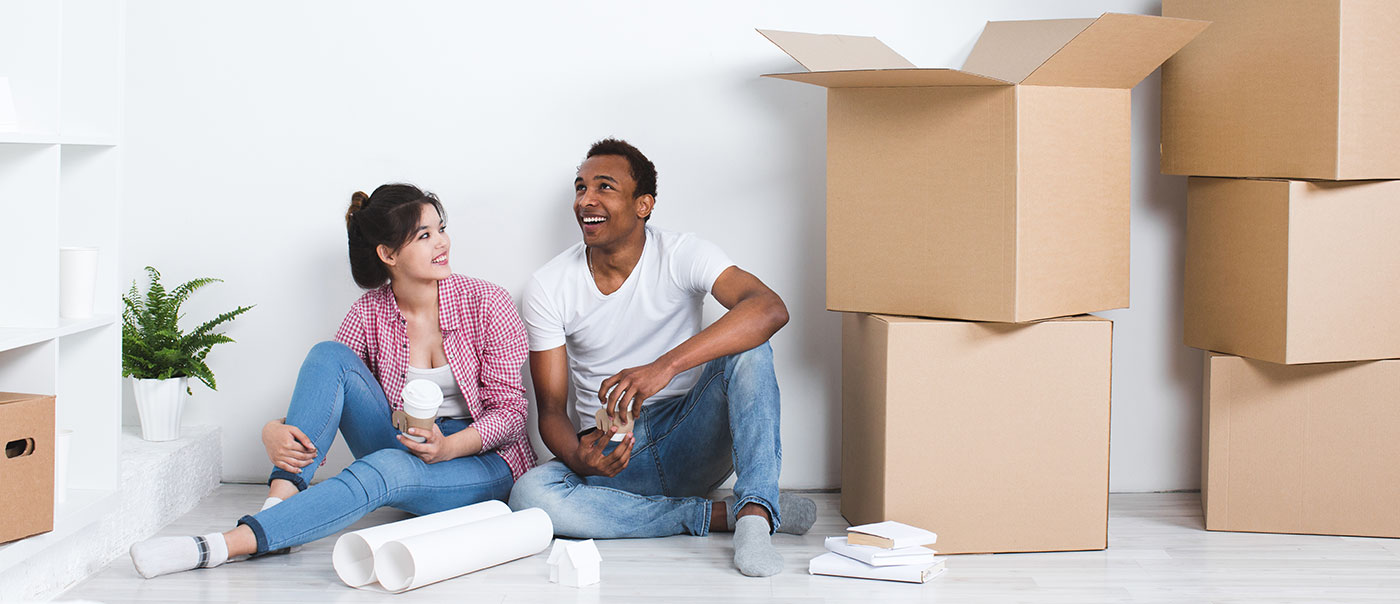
(549, 371)
(755, 314)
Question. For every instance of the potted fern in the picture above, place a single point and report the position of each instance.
(160, 358)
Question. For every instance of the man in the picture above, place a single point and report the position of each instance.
(618, 315)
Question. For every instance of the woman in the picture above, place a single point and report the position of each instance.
(418, 321)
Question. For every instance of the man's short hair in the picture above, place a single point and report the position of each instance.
(643, 171)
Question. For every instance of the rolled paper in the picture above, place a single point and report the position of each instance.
(354, 553)
(413, 562)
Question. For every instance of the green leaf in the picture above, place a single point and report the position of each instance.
(154, 346)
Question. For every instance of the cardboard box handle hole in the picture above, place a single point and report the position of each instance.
(19, 448)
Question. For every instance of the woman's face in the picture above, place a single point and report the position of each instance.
(425, 255)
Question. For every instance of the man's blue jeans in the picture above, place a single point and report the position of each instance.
(335, 390)
(685, 447)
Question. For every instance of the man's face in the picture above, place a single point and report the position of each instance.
(603, 202)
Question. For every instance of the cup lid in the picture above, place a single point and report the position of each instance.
(422, 393)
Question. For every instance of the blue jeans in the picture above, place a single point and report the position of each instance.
(685, 447)
(335, 390)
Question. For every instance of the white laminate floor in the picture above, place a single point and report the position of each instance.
(1157, 552)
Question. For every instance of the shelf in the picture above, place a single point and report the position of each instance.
(16, 337)
(82, 508)
(49, 138)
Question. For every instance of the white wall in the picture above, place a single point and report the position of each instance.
(249, 124)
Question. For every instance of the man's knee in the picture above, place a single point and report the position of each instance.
(542, 487)
(759, 358)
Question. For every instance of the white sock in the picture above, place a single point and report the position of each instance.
(165, 555)
(270, 501)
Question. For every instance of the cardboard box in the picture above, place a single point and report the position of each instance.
(1293, 271)
(998, 192)
(26, 466)
(994, 436)
(1301, 89)
(1302, 448)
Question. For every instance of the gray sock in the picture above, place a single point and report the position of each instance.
(797, 512)
(754, 553)
(165, 555)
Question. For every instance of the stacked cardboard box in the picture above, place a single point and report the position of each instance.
(26, 466)
(994, 193)
(1284, 116)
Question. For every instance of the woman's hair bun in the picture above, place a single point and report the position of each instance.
(357, 202)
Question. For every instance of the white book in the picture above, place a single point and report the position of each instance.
(840, 566)
(890, 535)
(879, 556)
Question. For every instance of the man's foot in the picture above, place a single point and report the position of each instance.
(754, 553)
(165, 555)
(798, 513)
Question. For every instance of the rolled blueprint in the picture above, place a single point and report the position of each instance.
(353, 556)
(413, 562)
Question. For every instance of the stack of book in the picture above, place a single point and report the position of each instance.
(889, 551)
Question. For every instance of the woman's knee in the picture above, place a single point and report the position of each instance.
(330, 351)
(381, 471)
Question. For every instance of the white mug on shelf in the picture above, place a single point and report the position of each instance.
(62, 444)
(77, 273)
(9, 118)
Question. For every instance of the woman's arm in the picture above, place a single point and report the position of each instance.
(503, 352)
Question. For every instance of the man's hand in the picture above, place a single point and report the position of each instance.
(590, 461)
(433, 449)
(287, 447)
(627, 390)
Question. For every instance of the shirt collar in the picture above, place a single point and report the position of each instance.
(450, 292)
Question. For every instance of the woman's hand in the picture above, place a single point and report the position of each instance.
(435, 446)
(287, 447)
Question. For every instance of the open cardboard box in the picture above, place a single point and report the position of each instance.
(995, 436)
(998, 192)
(1293, 271)
(1301, 448)
(1284, 89)
(26, 465)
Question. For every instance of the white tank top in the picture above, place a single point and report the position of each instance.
(453, 405)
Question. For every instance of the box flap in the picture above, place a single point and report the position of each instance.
(891, 78)
(828, 52)
(1011, 50)
(1113, 51)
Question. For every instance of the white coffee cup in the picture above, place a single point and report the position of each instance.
(421, 399)
(77, 274)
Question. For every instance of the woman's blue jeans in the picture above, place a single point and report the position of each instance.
(335, 390)
(685, 447)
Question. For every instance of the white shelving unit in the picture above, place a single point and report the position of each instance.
(60, 185)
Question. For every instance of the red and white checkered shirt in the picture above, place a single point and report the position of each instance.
(485, 346)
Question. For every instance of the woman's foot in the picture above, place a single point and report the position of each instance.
(165, 555)
(267, 503)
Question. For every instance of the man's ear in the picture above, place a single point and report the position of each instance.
(645, 204)
(386, 255)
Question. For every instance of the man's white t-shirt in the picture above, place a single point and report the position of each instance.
(658, 307)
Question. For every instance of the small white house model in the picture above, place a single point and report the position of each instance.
(574, 563)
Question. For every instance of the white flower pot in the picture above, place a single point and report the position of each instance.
(159, 402)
